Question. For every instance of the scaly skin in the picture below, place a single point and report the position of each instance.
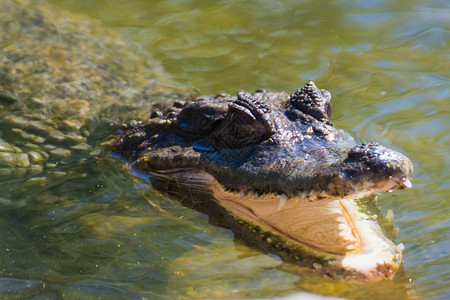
(266, 143)
(263, 159)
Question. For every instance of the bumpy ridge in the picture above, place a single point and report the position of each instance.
(313, 101)
(255, 108)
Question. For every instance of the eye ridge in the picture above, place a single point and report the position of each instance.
(245, 123)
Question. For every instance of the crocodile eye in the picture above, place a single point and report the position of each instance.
(245, 123)
(240, 130)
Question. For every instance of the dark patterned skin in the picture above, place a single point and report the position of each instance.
(264, 142)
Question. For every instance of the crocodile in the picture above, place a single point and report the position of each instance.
(63, 78)
(273, 168)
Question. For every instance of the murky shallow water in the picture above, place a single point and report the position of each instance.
(100, 232)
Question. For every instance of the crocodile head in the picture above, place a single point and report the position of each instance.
(275, 170)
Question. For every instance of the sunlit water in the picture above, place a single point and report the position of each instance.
(99, 232)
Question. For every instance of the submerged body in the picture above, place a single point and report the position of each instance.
(272, 167)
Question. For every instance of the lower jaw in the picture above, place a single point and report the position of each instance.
(330, 236)
(335, 237)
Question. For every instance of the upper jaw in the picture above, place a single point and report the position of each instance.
(367, 169)
(363, 170)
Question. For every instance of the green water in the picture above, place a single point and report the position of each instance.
(98, 232)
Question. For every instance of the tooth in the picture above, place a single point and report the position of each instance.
(256, 195)
(242, 194)
(297, 199)
(399, 248)
(407, 183)
(390, 216)
(283, 200)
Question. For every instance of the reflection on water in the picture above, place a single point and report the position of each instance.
(93, 232)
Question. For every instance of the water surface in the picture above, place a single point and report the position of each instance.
(100, 232)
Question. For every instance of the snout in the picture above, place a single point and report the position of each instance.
(371, 168)
(378, 167)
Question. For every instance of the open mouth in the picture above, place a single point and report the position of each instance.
(324, 226)
(336, 230)
(337, 233)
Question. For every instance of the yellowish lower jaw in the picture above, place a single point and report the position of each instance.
(342, 238)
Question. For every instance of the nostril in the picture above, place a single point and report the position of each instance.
(362, 150)
(355, 153)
